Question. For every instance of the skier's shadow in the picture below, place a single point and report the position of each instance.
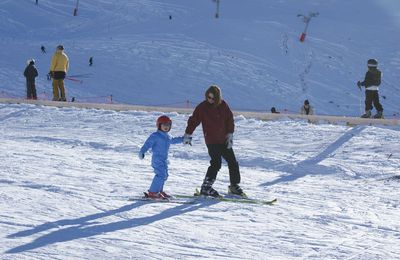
(311, 166)
(86, 226)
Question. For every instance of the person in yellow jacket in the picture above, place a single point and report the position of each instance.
(58, 70)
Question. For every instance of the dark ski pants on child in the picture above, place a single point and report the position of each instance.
(217, 152)
(372, 96)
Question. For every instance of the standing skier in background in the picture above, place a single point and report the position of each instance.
(306, 109)
(159, 142)
(371, 83)
(30, 74)
(218, 126)
(58, 70)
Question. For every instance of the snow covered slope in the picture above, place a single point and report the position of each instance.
(66, 174)
(252, 51)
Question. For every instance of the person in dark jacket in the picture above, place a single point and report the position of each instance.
(306, 108)
(273, 111)
(218, 126)
(30, 74)
(371, 83)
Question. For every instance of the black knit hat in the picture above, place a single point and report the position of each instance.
(372, 63)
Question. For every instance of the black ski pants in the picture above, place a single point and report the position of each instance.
(372, 96)
(217, 152)
(31, 90)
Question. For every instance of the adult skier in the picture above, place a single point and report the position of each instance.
(30, 74)
(218, 126)
(58, 70)
(371, 83)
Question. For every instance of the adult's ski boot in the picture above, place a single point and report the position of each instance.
(235, 189)
(207, 189)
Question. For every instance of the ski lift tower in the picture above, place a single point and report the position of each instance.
(76, 8)
(217, 12)
(306, 20)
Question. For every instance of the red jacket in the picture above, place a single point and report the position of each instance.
(217, 121)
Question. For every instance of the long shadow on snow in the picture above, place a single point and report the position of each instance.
(84, 227)
(310, 166)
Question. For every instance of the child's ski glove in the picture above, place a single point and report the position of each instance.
(141, 155)
(229, 140)
(359, 84)
(187, 139)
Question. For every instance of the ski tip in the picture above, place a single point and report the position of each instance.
(271, 201)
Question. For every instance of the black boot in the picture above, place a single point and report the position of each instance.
(207, 189)
(367, 114)
(236, 190)
(379, 114)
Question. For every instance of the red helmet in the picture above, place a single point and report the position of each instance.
(163, 120)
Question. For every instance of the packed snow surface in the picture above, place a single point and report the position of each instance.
(66, 176)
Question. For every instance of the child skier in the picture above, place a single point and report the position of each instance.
(159, 142)
(371, 83)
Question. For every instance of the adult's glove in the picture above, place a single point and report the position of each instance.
(187, 139)
(49, 75)
(229, 140)
(141, 155)
(359, 84)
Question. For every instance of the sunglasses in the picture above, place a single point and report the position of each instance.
(166, 124)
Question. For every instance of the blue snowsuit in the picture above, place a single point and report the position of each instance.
(159, 142)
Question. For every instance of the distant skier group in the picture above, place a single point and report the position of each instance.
(371, 83)
(58, 71)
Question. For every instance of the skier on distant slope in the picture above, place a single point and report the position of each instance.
(371, 83)
(30, 74)
(306, 109)
(58, 70)
(218, 125)
(159, 142)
